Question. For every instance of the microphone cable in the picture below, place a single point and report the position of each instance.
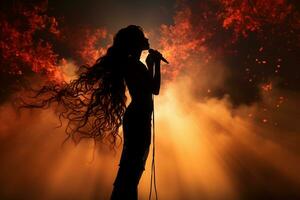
(153, 172)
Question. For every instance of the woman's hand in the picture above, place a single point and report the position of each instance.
(153, 58)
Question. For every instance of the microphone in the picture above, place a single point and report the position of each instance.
(151, 51)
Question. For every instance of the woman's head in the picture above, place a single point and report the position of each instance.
(131, 39)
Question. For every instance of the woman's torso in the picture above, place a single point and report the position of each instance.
(137, 118)
(139, 82)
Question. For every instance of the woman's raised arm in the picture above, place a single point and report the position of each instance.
(153, 64)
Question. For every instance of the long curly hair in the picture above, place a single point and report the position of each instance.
(95, 102)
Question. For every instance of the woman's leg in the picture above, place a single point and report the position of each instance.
(137, 138)
(125, 185)
(132, 166)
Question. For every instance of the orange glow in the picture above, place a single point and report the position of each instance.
(22, 50)
(90, 49)
(246, 16)
(200, 145)
(179, 42)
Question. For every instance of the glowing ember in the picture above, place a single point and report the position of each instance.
(267, 87)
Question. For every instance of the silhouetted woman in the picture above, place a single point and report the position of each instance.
(95, 104)
(137, 119)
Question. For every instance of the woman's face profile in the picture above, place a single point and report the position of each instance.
(142, 40)
(147, 45)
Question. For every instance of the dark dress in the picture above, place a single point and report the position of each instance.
(136, 131)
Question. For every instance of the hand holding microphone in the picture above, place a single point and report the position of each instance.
(157, 55)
